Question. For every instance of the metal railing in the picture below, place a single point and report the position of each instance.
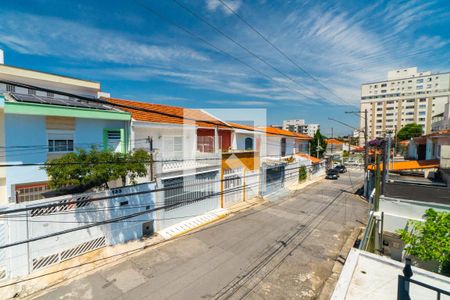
(404, 281)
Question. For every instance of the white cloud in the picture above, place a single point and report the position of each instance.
(50, 36)
(239, 102)
(342, 47)
(214, 5)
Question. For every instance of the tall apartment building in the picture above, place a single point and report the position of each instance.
(407, 96)
(299, 126)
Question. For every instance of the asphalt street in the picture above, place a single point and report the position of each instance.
(282, 249)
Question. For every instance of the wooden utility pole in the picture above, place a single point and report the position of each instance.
(376, 203)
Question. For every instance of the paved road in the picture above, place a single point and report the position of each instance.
(284, 249)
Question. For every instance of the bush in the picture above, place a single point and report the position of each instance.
(302, 175)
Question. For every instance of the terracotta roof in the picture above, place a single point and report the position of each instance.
(438, 133)
(313, 159)
(240, 126)
(334, 142)
(159, 113)
(404, 143)
(271, 131)
(410, 165)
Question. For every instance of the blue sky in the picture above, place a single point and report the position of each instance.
(137, 55)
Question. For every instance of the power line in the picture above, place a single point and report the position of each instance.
(52, 205)
(223, 52)
(216, 123)
(113, 220)
(238, 44)
(280, 51)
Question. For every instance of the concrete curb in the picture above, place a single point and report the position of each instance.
(193, 223)
(330, 283)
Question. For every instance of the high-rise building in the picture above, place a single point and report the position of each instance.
(300, 126)
(407, 96)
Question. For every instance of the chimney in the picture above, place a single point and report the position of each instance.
(2, 57)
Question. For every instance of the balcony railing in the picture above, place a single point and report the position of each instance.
(169, 163)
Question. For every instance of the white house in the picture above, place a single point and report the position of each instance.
(45, 115)
(186, 146)
(281, 143)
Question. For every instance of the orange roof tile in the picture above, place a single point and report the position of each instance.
(333, 142)
(240, 126)
(438, 133)
(404, 143)
(159, 113)
(409, 165)
(275, 131)
(313, 159)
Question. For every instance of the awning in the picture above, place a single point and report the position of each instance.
(410, 165)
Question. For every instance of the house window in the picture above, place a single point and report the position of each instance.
(248, 143)
(173, 145)
(10, 88)
(31, 92)
(113, 139)
(30, 191)
(60, 141)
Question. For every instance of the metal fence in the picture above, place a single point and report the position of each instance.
(194, 194)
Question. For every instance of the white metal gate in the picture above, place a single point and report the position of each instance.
(232, 186)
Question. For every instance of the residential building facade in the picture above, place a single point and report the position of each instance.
(34, 133)
(334, 148)
(43, 116)
(299, 126)
(407, 96)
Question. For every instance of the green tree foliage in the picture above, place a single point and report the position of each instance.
(318, 144)
(302, 174)
(409, 131)
(429, 240)
(96, 168)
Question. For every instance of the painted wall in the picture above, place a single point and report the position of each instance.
(142, 132)
(26, 142)
(397, 211)
(225, 135)
(273, 146)
(18, 260)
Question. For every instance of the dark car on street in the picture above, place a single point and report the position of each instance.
(341, 169)
(332, 174)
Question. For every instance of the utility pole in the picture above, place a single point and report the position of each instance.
(332, 136)
(388, 163)
(150, 149)
(384, 169)
(366, 148)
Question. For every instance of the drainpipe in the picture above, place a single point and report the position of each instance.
(216, 140)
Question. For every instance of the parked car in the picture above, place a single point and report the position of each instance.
(332, 174)
(341, 168)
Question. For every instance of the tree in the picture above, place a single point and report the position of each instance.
(429, 240)
(318, 144)
(409, 131)
(94, 168)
